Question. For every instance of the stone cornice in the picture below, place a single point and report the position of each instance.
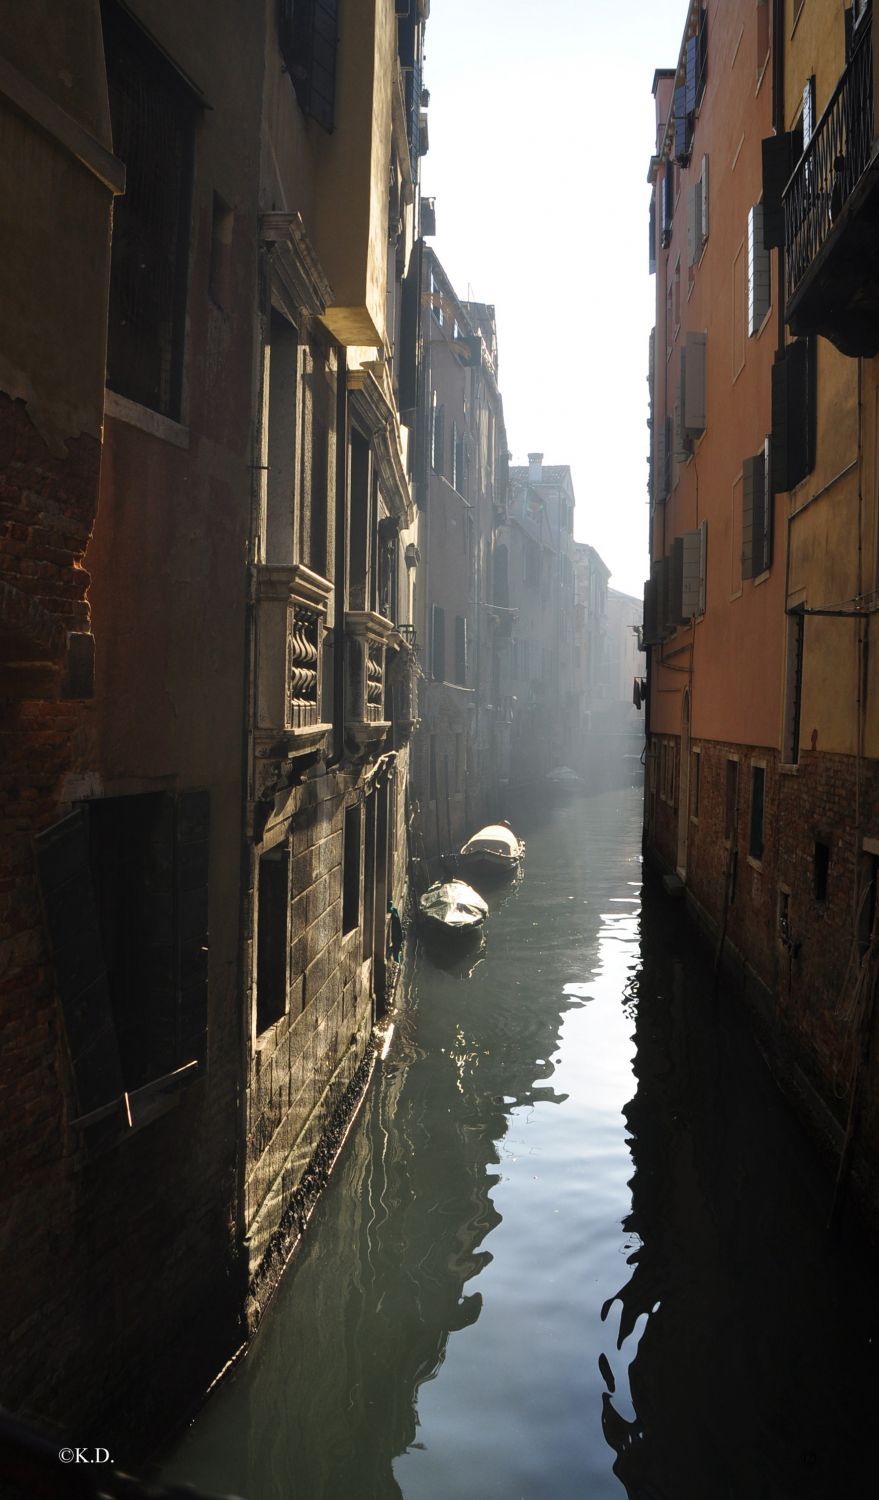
(295, 263)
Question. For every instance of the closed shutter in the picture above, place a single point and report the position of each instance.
(660, 465)
(651, 227)
(759, 286)
(693, 582)
(777, 167)
(703, 202)
(756, 516)
(62, 853)
(651, 613)
(793, 414)
(675, 615)
(461, 650)
(693, 371)
(692, 72)
(692, 226)
(682, 125)
(668, 201)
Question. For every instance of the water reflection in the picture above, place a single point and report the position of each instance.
(492, 1304)
(751, 1336)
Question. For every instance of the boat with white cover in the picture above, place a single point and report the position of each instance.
(493, 851)
(453, 910)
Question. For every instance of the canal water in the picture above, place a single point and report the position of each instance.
(574, 1247)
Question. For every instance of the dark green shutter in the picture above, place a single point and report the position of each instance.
(777, 167)
(62, 853)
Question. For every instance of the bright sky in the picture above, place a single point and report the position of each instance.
(541, 128)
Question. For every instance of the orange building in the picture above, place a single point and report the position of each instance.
(763, 781)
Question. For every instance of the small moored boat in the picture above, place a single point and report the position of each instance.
(453, 910)
(493, 851)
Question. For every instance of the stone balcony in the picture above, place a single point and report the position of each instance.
(366, 717)
(291, 610)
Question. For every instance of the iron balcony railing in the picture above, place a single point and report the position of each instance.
(832, 163)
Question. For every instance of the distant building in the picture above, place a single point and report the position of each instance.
(537, 534)
(462, 479)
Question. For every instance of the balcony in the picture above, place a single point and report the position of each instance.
(402, 682)
(291, 610)
(366, 718)
(831, 216)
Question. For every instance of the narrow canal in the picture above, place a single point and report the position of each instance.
(575, 1245)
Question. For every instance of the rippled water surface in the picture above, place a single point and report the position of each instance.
(574, 1247)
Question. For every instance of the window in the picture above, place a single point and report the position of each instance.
(821, 868)
(125, 893)
(731, 800)
(351, 867)
(273, 905)
(461, 650)
(282, 365)
(759, 280)
(458, 480)
(360, 523)
(697, 215)
(436, 299)
(438, 644)
(794, 409)
(688, 94)
(437, 434)
(757, 514)
(153, 118)
(318, 411)
(220, 273)
(758, 788)
(695, 785)
(307, 35)
(668, 203)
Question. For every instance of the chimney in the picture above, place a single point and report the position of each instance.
(535, 468)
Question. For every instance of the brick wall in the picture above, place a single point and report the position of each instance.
(812, 983)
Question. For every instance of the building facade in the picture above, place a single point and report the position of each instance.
(762, 752)
(461, 490)
(208, 675)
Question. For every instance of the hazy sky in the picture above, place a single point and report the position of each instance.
(541, 128)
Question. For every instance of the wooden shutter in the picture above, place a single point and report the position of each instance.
(793, 414)
(651, 613)
(754, 517)
(191, 862)
(692, 73)
(703, 202)
(461, 650)
(759, 286)
(668, 201)
(674, 611)
(660, 465)
(693, 378)
(62, 853)
(651, 253)
(692, 231)
(693, 581)
(682, 125)
(777, 168)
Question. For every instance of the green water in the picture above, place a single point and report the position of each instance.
(574, 1247)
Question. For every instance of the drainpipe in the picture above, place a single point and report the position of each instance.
(339, 642)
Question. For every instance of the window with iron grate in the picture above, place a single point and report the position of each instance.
(307, 31)
(153, 119)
